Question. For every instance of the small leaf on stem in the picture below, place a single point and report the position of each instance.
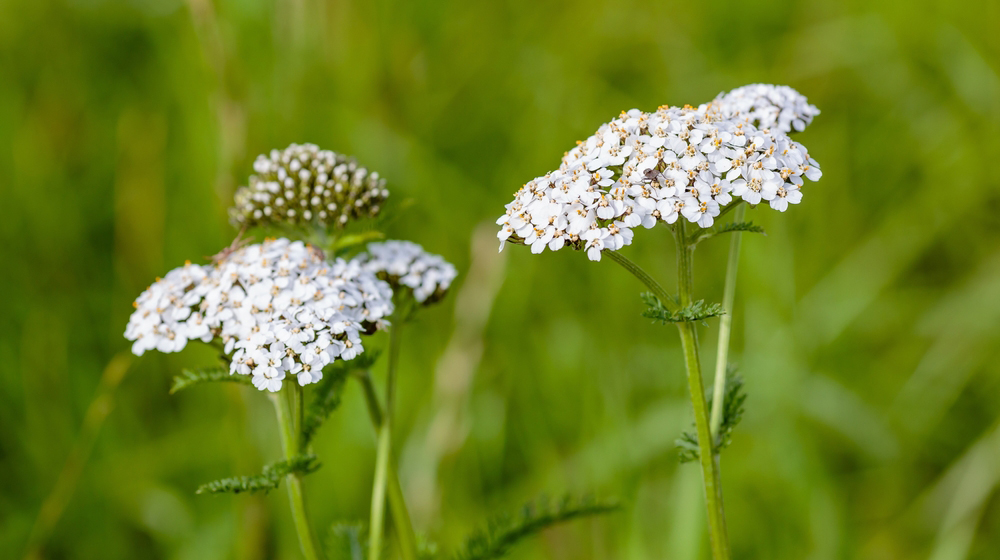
(697, 311)
(264, 482)
(195, 376)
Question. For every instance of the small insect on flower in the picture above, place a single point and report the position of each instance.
(278, 308)
(238, 243)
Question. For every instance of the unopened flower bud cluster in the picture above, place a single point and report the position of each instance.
(768, 106)
(304, 185)
(404, 264)
(643, 168)
(278, 307)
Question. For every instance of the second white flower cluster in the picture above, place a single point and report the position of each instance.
(406, 264)
(279, 308)
(688, 162)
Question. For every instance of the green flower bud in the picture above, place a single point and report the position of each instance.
(304, 185)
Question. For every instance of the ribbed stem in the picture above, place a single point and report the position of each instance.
(394, 491)
(288, 406)
(383, 459)
(726, 325)
(378, 494)
(692, 360)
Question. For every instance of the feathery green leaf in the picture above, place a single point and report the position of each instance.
(195, 376)
(329, 390)
(503, 532)
(687, 447)
(697, 311)
(732, 413)
(730, 227)
(266, 481)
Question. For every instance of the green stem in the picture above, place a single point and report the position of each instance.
(288, 406)
(725, 326)
(383, 458)
(692, 360)
(397, 503)
(643, 277)
(378, 494)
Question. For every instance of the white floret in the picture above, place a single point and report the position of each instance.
(278, 309)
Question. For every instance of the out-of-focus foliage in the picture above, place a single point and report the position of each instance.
(505, 531)
(867, 323)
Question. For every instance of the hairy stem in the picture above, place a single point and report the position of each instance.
(383, 458)
(394, 491)
(288, 406)
(725, 326)
(692, 360)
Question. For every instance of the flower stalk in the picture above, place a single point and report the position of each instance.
(643, 277)
(288, 407)
(706, 453)
(726, 325)
(394, 491)
(384, 482)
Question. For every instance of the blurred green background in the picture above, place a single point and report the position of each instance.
(867, 323)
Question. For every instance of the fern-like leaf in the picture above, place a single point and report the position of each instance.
(687, 447)
(329, 390)
(697, 311)
(730, 227)
(328, 393)
(732, 412)
(268, 480)
(504, 532)
(196, 376)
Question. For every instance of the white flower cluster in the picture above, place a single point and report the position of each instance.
(406, 264)
(303, 184)
(642, 168)
(768, 106)
(277, 307)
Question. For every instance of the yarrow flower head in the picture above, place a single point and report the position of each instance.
(404, 264)
(643, 168)
(767, 106)
(278, 308)
(303, 184)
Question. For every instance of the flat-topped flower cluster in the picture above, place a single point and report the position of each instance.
(643, 168)
(278, 309)
(405, 264)
(303, 184)
(779, 108)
